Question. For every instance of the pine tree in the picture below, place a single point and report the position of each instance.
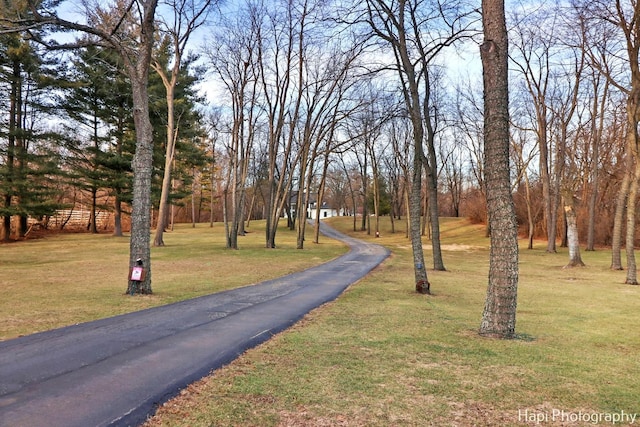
(98, 100)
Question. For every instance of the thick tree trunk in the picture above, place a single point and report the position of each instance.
(142, 163)
(415, 209)
(139, 248)
(573, 242)
(499, 316)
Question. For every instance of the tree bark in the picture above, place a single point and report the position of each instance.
(618, 218)
(170, 150)
(415, 209)
(531, 223)
(139, 247)
(13, 125)
(573, 242)
(632, 272)
(499, 316)
(596, 140)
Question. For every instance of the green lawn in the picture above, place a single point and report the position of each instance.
(381, 355)
(70, 278)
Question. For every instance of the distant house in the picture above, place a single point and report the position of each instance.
(326, 211)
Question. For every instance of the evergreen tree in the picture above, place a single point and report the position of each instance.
(99, 101)
(29, 170)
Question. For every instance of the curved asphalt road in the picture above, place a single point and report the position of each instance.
(115, 371)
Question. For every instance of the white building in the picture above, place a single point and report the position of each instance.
(326, 211)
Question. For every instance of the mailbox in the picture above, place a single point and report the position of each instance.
(138, 272)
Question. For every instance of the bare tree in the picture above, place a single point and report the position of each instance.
(499, 316)
(522, 160)
(176, 26)
(234, 58)
(327, 77)
(468, 119)
(533, 45)
(280, 59)
(566, 123)
(452, 162)
(619, 20)
(417, 37)
(333, 110)
(600, 92)
(400, 138)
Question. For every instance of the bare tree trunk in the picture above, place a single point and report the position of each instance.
(166, 188)
(139, 248)
(552, 224)
(93, 228)
(11, 139)
(321, 190)
(499, 316)
(117, 205)
(530, 221)
(193, 206)
(302, 201)
(225, 219)
(376, 192)
(394, 207)
(425, 229)
(596, 140)
(213, 179)
(408, 207)
(415, 209)
(142, 169)
(621, 205)
(632, 274)
(250, 208)
(438, 263)
(188, 15)
(573, 242)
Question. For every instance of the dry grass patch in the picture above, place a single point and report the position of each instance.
(64, 279)
(382, 355)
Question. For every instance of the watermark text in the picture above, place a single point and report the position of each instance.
(536, 417)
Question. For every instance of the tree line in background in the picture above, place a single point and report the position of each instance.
(365, 105)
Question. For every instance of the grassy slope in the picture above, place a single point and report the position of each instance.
(382, 355)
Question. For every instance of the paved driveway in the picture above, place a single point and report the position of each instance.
(116, 371)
